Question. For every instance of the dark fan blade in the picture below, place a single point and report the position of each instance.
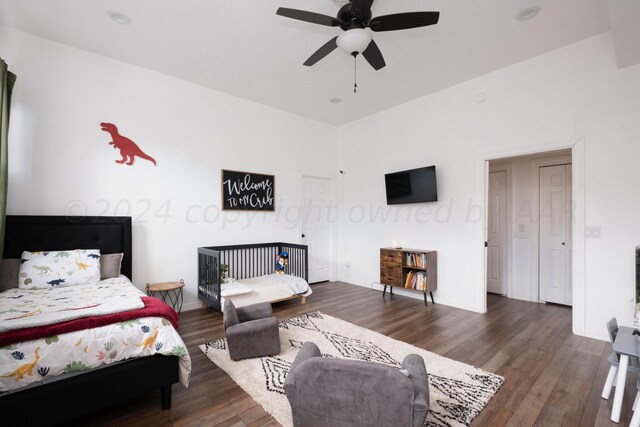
(303, 15)
(364, 5)
(403, 21)
(325, 50)
(373, 56)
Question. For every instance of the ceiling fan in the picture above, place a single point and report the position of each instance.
(354, 17)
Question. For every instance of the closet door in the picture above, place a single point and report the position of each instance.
(555, 234)
(497, 234)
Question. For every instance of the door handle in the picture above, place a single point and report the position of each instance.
(562, 243)
(304, 236)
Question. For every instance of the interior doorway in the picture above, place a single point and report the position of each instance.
(529, 227)
(317, 226)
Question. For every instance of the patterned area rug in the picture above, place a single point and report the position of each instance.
(458, 391)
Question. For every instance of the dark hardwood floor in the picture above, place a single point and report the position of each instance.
(553, 378)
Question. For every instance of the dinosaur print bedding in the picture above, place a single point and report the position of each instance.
(29, 362)
(153, 307)
(20, 308)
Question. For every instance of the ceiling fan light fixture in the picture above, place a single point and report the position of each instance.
(354, 40)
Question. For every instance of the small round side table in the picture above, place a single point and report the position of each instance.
(170, 293)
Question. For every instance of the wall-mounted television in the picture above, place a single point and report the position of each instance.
(412, 186)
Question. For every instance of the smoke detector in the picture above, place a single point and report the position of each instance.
(528, 13)
(119, 17)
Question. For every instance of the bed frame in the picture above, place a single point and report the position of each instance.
(245, 262)
(60, 401)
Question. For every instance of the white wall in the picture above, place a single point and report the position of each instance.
(543, 103)
(60, 160)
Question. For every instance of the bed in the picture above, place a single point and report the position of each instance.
(82, 391)
(252, 266)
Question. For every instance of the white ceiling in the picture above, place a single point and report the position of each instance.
(243, 48)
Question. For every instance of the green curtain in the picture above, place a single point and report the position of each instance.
(7, 80)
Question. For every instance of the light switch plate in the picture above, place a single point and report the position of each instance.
(592, 231)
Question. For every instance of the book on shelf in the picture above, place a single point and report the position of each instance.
(415, 260)
(416, 280)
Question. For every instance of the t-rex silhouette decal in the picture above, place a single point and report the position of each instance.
(128, 148)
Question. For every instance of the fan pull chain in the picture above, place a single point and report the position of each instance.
(355, 73)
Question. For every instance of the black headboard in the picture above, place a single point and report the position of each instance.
(110, 234)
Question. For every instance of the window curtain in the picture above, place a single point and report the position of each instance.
(7, 80)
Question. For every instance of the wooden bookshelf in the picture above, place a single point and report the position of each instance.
(413, 269)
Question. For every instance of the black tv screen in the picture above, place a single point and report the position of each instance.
(412, 186)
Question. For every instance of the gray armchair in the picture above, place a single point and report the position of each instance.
(332, 392)
(252, 331)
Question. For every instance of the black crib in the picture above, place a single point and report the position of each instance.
(245, 262)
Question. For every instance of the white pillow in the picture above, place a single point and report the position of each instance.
(44, 270)
(228, 290)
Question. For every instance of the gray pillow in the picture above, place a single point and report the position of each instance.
(109, 266)
(9, 275)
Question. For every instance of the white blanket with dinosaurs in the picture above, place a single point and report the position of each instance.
(21, 308)
(29, 362)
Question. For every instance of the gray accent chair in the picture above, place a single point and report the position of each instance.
(325, 391)
(252, 331)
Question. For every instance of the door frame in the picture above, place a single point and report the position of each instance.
(333, 232)
(577, 147)
(497, 167)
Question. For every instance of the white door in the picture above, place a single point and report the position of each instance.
(497, 234)
(316, 223)
(555, 234)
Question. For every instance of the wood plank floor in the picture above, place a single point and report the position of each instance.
(553, 378)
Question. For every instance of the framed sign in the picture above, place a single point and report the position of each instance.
(247, 191)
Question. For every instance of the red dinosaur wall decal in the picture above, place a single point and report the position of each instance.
(128, 148)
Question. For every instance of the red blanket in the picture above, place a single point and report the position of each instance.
(153, 307)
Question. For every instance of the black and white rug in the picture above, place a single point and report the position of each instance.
(458, 391)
